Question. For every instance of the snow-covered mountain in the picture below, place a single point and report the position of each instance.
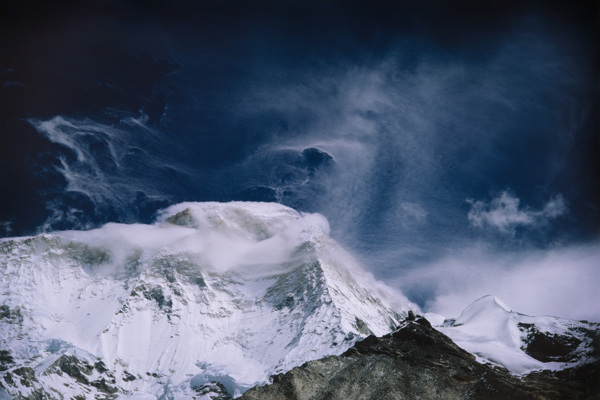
(516, 357)
(494, 333)
(211, 298)
(214, 298)
(418, 362)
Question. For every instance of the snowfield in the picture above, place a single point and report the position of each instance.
(494, 333)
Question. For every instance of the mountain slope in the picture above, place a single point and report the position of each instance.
(519, 342)
(213, 298)
(419, 362)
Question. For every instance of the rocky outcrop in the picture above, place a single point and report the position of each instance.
(418, 362)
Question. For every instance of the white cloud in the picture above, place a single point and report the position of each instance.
(561, 282)
(505, 212)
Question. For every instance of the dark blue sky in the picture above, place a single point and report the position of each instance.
(417, 128)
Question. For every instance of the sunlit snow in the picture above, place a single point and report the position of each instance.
(231, 292)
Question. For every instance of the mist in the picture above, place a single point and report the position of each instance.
(559, 281)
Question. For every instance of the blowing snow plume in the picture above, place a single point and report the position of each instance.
(112, 172)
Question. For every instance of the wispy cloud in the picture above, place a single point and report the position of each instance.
(506, 213)
(413, 211)
(5, 228)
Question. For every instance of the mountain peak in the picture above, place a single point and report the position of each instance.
(518, 342)
(211, 292)
(481, 308)
(256, 221)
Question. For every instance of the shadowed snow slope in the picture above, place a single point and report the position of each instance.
(518, 342)
(212, 292)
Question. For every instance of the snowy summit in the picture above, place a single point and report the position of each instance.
(212, 292)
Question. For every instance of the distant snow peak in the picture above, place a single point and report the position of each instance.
(212, 297)
(520, 343)
(482, 307)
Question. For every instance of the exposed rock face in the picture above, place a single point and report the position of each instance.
(418, 362)
(549, 347)
(211, 391)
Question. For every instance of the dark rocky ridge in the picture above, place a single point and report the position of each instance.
(548, 347)
(418, 362)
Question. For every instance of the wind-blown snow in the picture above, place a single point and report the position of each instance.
(228, 292)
